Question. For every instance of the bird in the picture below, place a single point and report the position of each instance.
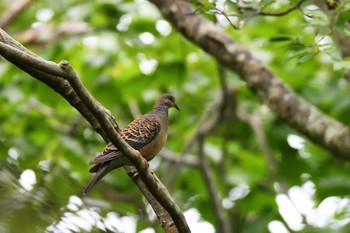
(147, 134)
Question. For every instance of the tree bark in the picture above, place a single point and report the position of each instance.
(285, 103)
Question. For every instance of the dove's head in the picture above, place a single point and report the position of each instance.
(166, 100)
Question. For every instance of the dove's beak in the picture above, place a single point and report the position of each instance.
(177, 107)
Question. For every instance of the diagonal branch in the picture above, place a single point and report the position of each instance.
(62, 78)
(155, 187)
(284, 102)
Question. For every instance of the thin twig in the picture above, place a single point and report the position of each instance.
(260, 11)
(210, 120)
(184, 159)
(222, 223)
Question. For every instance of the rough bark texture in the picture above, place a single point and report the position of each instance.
(270, 90)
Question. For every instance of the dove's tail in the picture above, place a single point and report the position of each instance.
(103, 169)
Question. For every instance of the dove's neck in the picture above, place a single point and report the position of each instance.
(161, 108)
(161, 112)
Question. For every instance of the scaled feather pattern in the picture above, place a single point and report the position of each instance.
(147, 134)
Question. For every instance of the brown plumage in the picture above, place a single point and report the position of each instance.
(147, 134)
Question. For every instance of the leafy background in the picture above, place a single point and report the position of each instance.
(126, 55)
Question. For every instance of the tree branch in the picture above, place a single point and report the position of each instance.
(271, 91)
(163, 216)
(62, 78)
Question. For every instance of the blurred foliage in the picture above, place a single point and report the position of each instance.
(128, 55)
